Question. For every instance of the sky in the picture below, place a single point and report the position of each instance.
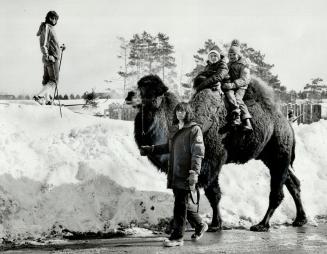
(290, 33)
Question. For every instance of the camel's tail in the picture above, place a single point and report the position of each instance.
(293, 147)
(291, 172)
(294, 179)
(259, 91)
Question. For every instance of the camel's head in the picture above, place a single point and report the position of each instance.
(149, 92)
(133, 99)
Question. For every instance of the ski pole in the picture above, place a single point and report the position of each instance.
(63, 47)
(56, 92)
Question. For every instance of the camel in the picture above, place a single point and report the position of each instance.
(272, 140)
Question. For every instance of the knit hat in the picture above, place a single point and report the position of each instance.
(235, 47)
(52, 14)
(214, 50)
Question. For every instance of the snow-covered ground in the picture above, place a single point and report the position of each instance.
(84, 173)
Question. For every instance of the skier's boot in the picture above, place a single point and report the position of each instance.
(39, 99)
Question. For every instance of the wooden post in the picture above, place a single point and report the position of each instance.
(298, 113)
(316, 112)
(302, 113)
(307, 113)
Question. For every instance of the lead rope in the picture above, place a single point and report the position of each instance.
(197, 203)
(142, 120)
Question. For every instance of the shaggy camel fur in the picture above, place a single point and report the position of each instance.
(272, 140)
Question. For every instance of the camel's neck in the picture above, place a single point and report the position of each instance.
(160, 126)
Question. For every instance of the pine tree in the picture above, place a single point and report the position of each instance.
(139, 57)
(316, 81)
(150, 51)
(164, 57)
(259, 67)
(124, 51)
(315, 88)
(201, 57)
(135, 55)
(150, 54)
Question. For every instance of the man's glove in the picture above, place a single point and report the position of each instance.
(145, 150)
(63, 47)
(51, 59)
(192, 179)
(228, 86)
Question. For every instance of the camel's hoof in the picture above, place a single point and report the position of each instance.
(299, 222)
(259, 228)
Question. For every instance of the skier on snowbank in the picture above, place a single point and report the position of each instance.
(50, 57)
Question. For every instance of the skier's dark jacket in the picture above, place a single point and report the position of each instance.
(186, 150)
(48, 42)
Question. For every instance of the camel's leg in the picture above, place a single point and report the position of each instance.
(293, 186)
(213, 194)
(278, 178)
(278, 161)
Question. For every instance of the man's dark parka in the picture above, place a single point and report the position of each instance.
(186, 148)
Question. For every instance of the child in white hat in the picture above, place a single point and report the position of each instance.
(215, 71)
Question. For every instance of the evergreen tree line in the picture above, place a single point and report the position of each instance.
(314, 90)
(258, 65)
(147, 54)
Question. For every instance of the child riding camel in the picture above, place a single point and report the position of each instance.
(235, 89)
(215, 71)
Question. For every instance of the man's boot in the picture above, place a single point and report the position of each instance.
(247, 125)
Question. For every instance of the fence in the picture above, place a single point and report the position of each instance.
(306, 113)
(120, 111)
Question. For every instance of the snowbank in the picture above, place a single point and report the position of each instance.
(78, 172)
(84, 173)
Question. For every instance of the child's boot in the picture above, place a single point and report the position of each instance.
(247, 125)
(236, 119)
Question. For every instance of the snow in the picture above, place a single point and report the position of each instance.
(85, 174)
